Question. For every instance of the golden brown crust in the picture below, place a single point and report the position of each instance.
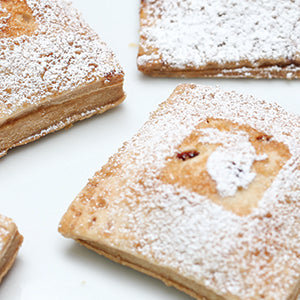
(21, 20)
(290, 72)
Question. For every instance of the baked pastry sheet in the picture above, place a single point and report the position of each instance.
(54, 70)
(236, 39)
(204, 197)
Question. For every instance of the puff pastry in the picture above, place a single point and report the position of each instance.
(220, 38)
(54, 70)
(10, 242)
(206, 197)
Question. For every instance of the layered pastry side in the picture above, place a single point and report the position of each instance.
(220, 38)
(10, 242)
(206, 197)
(54, 70)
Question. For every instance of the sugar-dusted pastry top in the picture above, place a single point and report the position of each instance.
(221, 33)
(149, 200)
(47, 49)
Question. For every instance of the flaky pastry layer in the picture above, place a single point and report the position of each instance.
(55, 115)
(10, 242)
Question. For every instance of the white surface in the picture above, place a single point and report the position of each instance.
(38, 181)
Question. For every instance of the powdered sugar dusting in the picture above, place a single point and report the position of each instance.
(250, 257)
(63, 54)
(230, 164)
(195, 237)
(194, 33)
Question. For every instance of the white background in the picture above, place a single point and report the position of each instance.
(38, 181)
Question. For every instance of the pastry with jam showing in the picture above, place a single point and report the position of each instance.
(205, 197)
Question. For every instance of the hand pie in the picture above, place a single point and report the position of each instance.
(220, 38)
(206, 197)
(54, 70)
(10, 242)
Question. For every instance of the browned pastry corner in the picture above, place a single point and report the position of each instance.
(206, 197)
(10, 242)
(54, 70)
(220, 38)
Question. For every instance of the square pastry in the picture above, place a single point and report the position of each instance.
(54, 70)
(10, 242)
(220, 38)
(206, 197)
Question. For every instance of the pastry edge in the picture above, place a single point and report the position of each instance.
(67, 121)
(11, 253)
(272, 72)
(120, 257)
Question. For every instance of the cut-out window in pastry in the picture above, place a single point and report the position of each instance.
(230, 165)
(16, 19)
(234, 166)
